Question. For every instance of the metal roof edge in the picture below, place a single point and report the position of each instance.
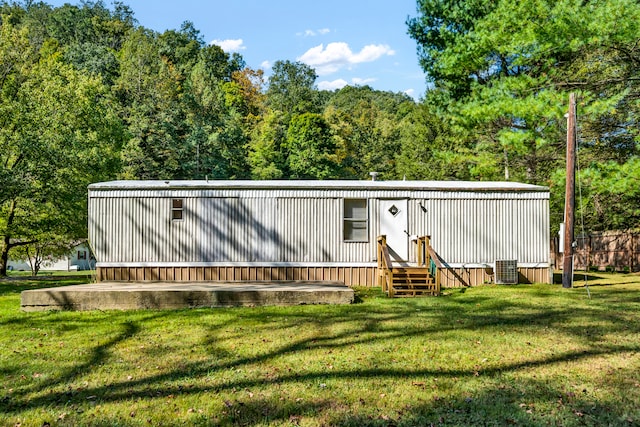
(479, 186)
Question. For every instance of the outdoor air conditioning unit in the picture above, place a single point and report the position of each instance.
(506, 271)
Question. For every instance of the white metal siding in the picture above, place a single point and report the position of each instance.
(479, 231)
(258, 225)
(311, 229)
(141, 230)
(233, 229)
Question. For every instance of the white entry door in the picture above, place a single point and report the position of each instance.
(393, 224)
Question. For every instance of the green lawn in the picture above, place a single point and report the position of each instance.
(491, 355)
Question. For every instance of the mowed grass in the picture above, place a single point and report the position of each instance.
(493, 355)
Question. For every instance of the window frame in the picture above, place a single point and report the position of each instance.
(177, 212)
(352, 220)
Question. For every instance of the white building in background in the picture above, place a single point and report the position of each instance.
(80, 258)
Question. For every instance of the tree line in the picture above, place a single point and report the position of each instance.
(501, 73)
(88, 94)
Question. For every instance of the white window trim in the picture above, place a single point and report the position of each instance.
(345, 220)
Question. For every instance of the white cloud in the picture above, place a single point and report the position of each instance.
(266, 65)
(313, 33)
(340, 83)
(361, 82)
(230, 45)
(338, 55)
(372, 52)
(336, 84)
(410, 92)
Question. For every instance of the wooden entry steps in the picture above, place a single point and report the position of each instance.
(411, 282)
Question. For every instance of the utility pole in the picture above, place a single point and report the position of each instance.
(570, 196)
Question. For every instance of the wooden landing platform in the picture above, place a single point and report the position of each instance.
(178, 295)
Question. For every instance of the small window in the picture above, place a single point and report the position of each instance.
(176, 210)
(82, 255)
(356, 216)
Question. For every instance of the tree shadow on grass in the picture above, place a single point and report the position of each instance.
(17, 284)
(389, 323)
(528, 403)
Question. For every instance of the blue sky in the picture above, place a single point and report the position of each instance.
(356, 42)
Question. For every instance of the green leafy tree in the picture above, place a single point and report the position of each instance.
(149, 92)
(311, 148)
(245, 94)
(440, 30)
(94, 59)
(428, 148)
(89, 34)
(58, 133)
(366, 124)
(181, 49)
(502, 72)
(290, 92)
(184, 111)
(292, 88)
(88, 22)
(217, 116)
(268, 150)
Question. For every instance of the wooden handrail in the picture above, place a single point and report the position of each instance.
(435, 259)
(385, 272)
(426, 256)
(382, 245)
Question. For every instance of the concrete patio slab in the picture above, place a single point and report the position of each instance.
(177, 295)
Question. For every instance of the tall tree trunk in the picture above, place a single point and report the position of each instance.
(506, 165)
(4, 256)
(5, 245)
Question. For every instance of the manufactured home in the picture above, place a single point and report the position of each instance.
(317, 230)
